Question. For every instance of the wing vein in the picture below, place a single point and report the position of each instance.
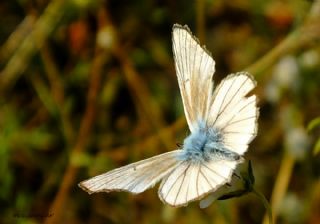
(205, 178)
(173, 184)
(184, 176)
(214, 171)
(242, 108)
(197, 181)
(221, 111)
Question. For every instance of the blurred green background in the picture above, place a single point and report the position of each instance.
(88, 86)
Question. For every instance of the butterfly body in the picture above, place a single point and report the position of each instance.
(205, 145)
(222, 122)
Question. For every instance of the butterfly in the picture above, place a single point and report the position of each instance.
(222, 122)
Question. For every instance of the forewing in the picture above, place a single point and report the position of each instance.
(195, 68)
(233, 113)
(192, 181)
(135, 178)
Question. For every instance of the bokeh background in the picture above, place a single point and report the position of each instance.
(88, 86)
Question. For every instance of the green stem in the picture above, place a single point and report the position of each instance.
(265, 204)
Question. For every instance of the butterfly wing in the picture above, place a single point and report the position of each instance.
(195, 68)
(136, 177)
(228, 109)
(192, 181)
(233, 113)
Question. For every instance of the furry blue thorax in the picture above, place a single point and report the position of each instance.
(204, 145)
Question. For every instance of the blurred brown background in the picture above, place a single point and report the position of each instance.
(88, 86)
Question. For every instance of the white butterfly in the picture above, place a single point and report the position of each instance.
(222, 123)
